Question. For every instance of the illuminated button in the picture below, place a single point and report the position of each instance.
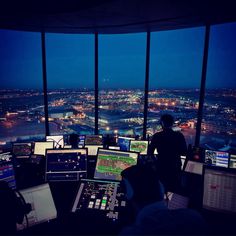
(93, 196)
(104, 204)
(102, 208)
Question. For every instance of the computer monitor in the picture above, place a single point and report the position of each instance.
(22, 150)
(176, 201)
(93, 149)
(110, 163)
(183, 159)
(57, 139)
(139, 146)
(124, 143)
(114, 147)
(66, 164)
(93, 140)
(40, 147)
(219, 189)
(217, 158)
(100, 196)
(42, 204)
(232, 161)
(81, 140)
(194, 167)
(7, 174)
(5, 157)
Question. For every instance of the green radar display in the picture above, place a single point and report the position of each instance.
(139, 146)
(110, 163)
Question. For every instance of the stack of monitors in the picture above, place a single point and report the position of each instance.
(22, 150)
(219, 192)
(66, 164)
(232, 161)
(58, 140)
(124, 143)
(41, 147)
(7, 174)
(42, 204)
(139, 146)
(217, 158)
(93, 140)
(110, 163)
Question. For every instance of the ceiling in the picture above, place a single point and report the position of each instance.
(112, 16)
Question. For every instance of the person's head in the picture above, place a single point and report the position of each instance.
(167, 121)
(142, 185)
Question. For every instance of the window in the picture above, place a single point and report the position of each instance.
(70, 70)
(175, 74)
(21, 96)
(218, 130)
(121, 83)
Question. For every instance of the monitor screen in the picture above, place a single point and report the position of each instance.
(114, 147)
(219, 190)
(5, 157)
(110, 163)
(103, 196)
(93, 140)
(124, 143)
(57, 139)
(139, 146)
(93, 149)
(81, 140)
(7, 174)
(43, 207)
(40, 147)
(176, 201)
(232, 161)
(66, 164)
(22, 150)
(183, 159)
(194, 167)
(217, 158)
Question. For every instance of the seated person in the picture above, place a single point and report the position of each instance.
(146, 195)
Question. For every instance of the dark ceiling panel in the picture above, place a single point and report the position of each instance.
(112, 16)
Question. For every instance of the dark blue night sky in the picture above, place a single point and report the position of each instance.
(176, 59)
